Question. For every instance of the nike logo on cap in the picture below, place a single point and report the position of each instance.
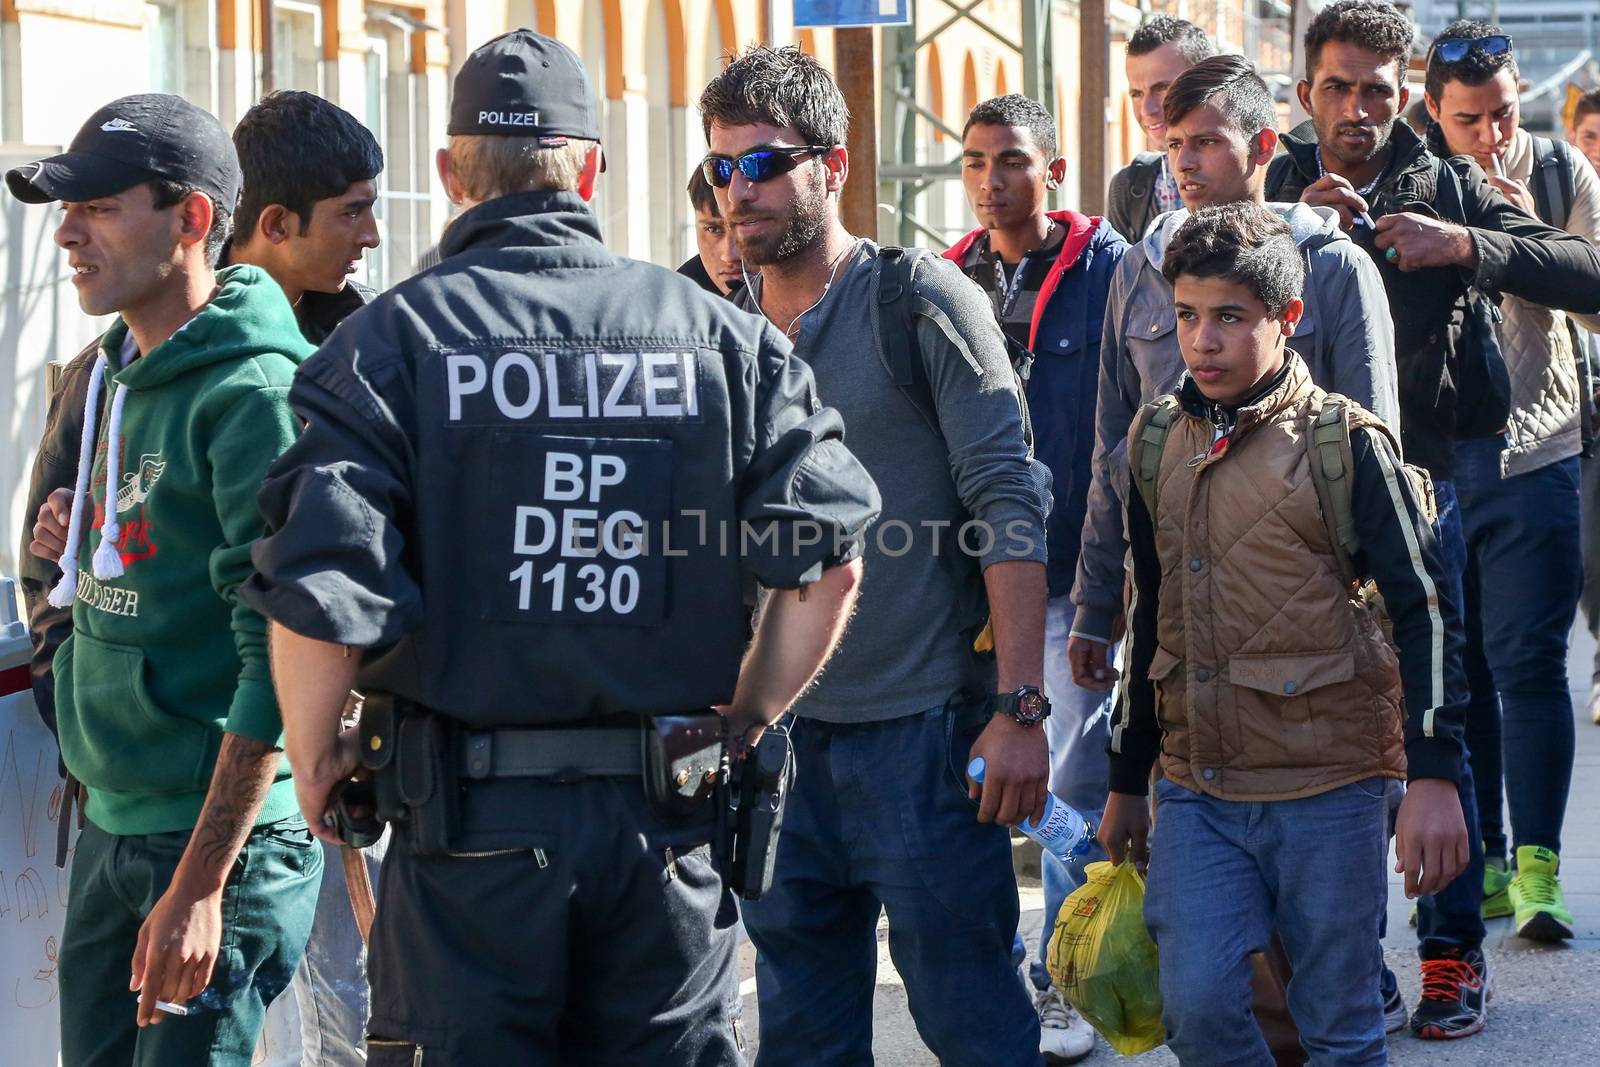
(119, 126)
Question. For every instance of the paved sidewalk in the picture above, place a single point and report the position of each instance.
(1546, 1008)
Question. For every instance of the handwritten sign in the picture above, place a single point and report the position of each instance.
(33, 893)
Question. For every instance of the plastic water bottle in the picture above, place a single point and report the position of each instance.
(1062, 831)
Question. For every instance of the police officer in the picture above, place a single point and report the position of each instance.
(532, 484)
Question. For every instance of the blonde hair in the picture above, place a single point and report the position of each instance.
(489, 166)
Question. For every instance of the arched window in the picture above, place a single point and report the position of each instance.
(969, 86)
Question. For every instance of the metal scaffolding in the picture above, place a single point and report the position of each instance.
(901, 177)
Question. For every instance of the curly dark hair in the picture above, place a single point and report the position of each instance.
(1376, 25)
(1242, 242)
(1192, 43)
(1475, 68)
(1017, 110)
(777, 87)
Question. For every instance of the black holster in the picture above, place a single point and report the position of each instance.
(756, 793)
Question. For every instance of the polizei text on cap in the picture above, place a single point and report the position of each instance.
(509, 118)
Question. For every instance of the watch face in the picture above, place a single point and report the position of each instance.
(1031, 704)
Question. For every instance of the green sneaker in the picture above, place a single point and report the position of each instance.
(1496, 891)
(1535, 895)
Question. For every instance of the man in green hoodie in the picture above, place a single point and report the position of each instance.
(194, 881)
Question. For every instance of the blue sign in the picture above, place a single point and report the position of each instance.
(852, 13)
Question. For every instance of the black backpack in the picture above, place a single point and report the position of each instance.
(896, 289)
(895, 293)
(1554, 191)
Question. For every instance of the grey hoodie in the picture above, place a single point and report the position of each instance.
(1345, 336)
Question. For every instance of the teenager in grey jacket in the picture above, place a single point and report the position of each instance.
(1221, 136)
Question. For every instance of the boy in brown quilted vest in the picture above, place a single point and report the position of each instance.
(1259, 676)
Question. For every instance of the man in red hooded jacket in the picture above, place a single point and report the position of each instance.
(1047, 274)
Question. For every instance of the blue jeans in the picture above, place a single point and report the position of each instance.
(1079, 769)
(1525, 556)
(321, 1020)
(1452, 917)
(1224, 875)
(879, 818)
(267, 907)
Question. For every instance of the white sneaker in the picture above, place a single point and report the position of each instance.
(1064, 1036)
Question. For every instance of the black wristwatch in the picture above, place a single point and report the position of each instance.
(1027, 705)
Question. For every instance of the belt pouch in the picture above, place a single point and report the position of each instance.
(682, 758)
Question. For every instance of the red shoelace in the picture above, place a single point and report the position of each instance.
(1443, 979)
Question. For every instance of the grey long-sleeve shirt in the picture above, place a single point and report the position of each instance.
(905, 650)
(1345, 337)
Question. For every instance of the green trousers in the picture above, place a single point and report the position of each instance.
(267, 908)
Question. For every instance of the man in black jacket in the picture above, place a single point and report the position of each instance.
(1438, 230)
(306, 213)
(716, 265)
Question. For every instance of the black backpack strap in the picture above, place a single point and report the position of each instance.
(897, 330)
(1143, 171)
(1552, 181)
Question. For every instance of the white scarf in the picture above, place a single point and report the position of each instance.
(107, 560)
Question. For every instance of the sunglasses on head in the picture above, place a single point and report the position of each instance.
(758, 164)
(1455, 49)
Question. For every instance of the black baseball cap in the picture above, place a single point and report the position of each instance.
(133, 140)
(524, 84)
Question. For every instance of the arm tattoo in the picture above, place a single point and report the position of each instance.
(245, 770)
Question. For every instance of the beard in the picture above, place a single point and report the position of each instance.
(807, 221)
(1353, 155)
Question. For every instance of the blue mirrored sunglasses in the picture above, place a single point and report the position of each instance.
(1455, 49)
(758, 164)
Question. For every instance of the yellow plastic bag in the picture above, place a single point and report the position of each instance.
(1103, 961)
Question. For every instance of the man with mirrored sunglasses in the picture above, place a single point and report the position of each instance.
(759, 164)
(880, 818)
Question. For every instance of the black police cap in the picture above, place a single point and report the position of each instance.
(133, 140)
(524, 84)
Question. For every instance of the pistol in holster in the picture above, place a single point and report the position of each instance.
(410, 752)
(755, 795)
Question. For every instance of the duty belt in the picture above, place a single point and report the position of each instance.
(550, 753)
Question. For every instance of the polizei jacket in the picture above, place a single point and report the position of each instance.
(535, 478)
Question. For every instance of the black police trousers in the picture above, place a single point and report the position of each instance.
(569, 925)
